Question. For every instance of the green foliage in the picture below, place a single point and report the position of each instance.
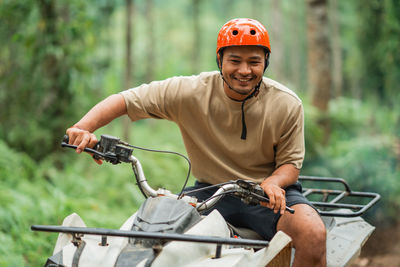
(378, 43)
(361, 150)
(58, 58)
(44, 54)
(104, 196)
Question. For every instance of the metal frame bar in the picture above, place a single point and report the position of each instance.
(148, 235)
(356, 209)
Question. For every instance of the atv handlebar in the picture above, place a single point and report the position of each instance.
(249, 192)
(113, 150)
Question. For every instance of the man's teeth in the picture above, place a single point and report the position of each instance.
(244, 80)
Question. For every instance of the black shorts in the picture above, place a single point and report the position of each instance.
(257, 218)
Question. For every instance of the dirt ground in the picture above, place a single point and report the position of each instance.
(382, 249)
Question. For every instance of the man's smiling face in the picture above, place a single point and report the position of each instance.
(242, 68)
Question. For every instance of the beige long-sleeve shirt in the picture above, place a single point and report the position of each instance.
(211, 125)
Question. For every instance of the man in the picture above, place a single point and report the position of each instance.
(236, 124)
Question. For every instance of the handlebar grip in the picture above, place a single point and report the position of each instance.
(265, 198)
(290, 210)
(261, 196)
(65, 141)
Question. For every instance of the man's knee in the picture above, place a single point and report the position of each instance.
(305, 227)
(315, 236)
(308, 232)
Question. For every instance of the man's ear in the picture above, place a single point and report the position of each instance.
(266, 61)
(219, 61)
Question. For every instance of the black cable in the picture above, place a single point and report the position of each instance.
(167, 152)
(205, 188)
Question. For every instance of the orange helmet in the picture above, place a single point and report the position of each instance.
(243, 32)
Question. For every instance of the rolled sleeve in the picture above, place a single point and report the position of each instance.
(155, 100)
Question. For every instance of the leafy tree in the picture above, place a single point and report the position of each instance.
(44, 52)
(379, 42)
(319, 53)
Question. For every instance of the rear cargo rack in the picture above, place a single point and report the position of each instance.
(333, 201)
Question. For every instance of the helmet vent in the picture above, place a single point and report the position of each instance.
(252, 32)
(235, 32)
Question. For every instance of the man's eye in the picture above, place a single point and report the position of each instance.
(255, 62)
(235, 61)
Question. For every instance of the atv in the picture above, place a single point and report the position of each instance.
(170, 230)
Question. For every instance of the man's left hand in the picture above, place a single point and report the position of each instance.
(276, 195)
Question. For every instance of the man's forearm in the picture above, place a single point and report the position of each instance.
(274, 185)
(284, 176)
(103, 113)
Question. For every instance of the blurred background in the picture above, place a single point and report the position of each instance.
(59, 58)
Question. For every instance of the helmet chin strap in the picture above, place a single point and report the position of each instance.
(254, 92)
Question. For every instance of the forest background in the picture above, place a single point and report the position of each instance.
(59, 58)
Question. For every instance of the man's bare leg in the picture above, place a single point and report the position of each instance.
(308, 232)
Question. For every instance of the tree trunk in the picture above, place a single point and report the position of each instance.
(56, 75)
(319, 54)
(319, 61)
(277, 62)
(128, 61)
(196, 37)
(150, 50)
(294, 53)
(337, 72)
(257, 10)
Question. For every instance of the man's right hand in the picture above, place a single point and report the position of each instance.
(101, 114)
(82, 139)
